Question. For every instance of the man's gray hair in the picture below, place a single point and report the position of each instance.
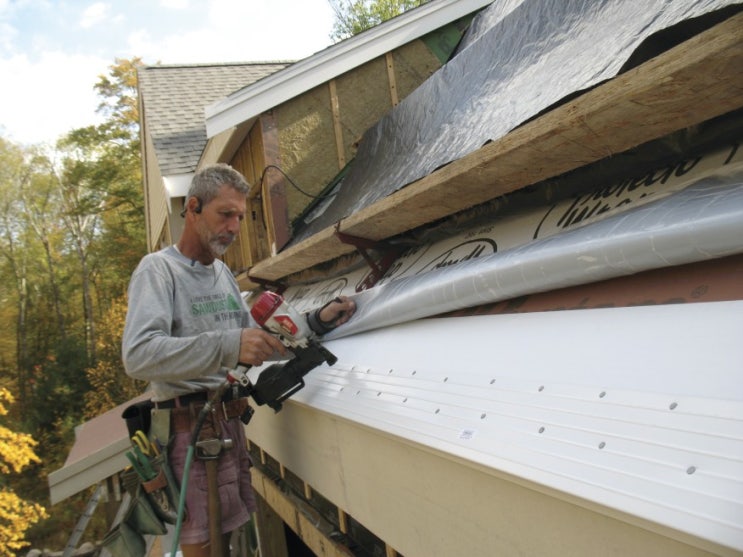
(207, 182)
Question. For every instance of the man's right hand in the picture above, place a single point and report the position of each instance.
(256, 346)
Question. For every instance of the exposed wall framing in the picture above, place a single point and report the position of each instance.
(318, 130)
(696, 81)
(307, 141)
(265, 228)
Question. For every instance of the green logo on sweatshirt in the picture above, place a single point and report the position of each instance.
(215, 303)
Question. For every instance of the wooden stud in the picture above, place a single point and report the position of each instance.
(271, 538)
(307, 491)
(391, 78)
(336, 111)
(274, 187)
(389, 551)
(342, 521)
(307, 523)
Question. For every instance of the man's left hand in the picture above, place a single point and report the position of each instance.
(338, 311)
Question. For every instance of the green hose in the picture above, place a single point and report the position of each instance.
(182, 501)
(189, 459)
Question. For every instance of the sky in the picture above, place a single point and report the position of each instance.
(52, 51)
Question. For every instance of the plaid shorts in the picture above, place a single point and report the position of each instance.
(235, 490)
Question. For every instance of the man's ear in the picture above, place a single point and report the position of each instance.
(194, 204)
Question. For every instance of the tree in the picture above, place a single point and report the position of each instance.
(109, 386)
(16, 515)
(71, 232)
(100, 181)
(354, 16)
(40, 202)
(19, 262)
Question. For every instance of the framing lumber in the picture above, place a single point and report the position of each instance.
(390, 62)
(337, 128)
(303, 520)
(695, 81)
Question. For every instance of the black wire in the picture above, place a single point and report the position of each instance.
(296, 187)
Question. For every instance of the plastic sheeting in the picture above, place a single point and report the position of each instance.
(703, 221)
(519, 58)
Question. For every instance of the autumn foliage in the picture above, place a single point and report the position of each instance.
(16, 515)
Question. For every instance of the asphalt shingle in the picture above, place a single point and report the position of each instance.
(174, 98)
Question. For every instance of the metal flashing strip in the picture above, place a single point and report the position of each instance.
(639, 410)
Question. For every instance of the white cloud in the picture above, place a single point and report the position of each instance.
(258, 30)
(174, 4)
(46, 92)
(94, 14)
(8, 34)
(49, 97)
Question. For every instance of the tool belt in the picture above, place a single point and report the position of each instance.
(184, 410)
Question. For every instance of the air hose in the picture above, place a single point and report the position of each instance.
(200, 419)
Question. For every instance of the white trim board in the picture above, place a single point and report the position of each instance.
(639, 410)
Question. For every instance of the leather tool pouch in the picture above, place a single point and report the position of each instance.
(123, 541)
(144, 513)
(138, 416)
(126, 539)
(153, 502)
(162, 491)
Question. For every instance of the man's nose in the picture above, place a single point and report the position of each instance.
(233, 224)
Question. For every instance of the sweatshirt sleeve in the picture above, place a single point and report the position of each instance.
(150, 352)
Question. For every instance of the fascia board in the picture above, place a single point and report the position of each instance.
(332, 62)
(620, 419)
(94, 468)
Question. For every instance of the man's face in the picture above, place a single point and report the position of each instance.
(220, 220)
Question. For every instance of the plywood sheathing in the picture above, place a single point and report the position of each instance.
(413, 64)
(316, 143)
(307, 144)
(691, 83)
(363, 96)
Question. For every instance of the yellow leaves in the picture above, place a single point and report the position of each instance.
(109, 384)
(16, 449)
(5, 396)
(16, 516)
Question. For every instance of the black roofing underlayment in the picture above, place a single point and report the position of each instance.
(519, 58)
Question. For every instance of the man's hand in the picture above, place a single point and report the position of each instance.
(256, 346)
(337, 312)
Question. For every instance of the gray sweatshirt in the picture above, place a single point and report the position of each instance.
(183, 324)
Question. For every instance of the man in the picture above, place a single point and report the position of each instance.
(186, 326)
